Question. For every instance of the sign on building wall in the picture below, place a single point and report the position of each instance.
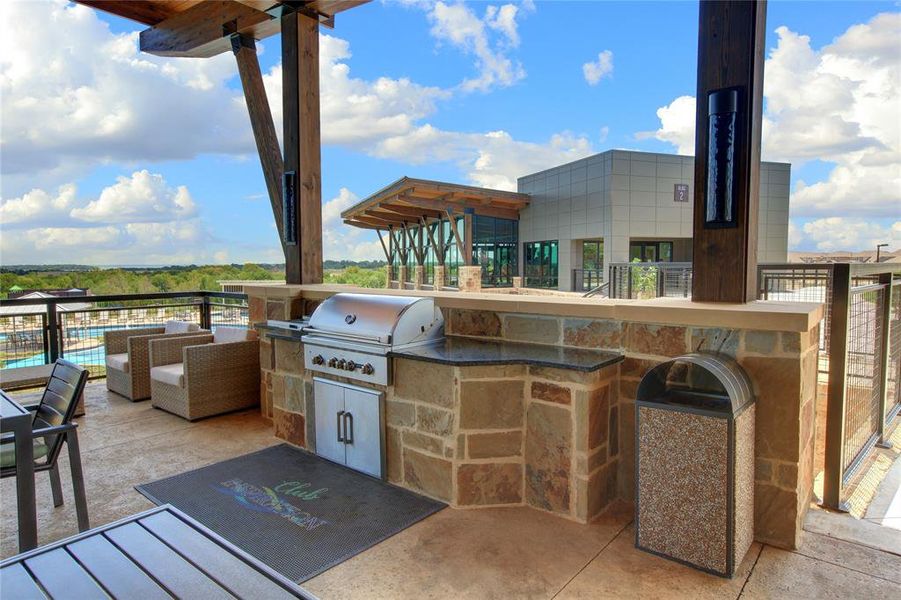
(680, 192)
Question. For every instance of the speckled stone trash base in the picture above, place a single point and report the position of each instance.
(686, 508)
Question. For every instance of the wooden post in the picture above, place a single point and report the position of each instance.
(467, 236)
(245, 52)
(730, 55)
(300, 90)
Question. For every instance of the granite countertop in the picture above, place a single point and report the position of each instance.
(468, 352)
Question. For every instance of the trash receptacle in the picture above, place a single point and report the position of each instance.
(695, 462)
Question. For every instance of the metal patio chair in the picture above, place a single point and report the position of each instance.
(51, 426)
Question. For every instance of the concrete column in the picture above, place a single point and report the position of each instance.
(418, 275)
(401, 276)
(389, 275)
(517, 282)
(440, 276)
(470, 278)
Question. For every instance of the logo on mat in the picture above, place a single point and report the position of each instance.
(266, 500)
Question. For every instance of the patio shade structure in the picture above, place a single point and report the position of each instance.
(409, 205)
(206, 28)
(37, 309)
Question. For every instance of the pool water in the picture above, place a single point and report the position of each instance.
(88, 357)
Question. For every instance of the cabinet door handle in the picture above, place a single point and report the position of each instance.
(348, 428)
(340, 414)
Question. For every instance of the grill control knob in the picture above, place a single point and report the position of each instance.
(351, 366)
(333, 362)
(318, 360)
(368, 369)
(342, 364)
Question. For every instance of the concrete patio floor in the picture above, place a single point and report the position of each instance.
(489, 553)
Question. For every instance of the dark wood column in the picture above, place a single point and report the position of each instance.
(300, 90)
(730, 55)
(467, 236)
(261, 121)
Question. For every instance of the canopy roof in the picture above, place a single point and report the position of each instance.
(36, 309)
(202, 28)
(410, 200)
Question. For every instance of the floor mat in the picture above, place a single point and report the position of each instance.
(296, 512)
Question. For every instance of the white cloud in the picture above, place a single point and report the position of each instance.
(838, 104)
(38, 206)
(143, 197)
(594, 71)
(138, 220)
(74, 95)
(460, 26)
(340, 241)
(838, 233)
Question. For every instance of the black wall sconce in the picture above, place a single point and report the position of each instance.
(722, 122)
(289, 208)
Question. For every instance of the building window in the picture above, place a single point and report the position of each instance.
(494, 244)
(651, 251)
(591, 274)
(541, 264)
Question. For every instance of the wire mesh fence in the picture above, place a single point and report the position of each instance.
(24, 338)
(864, 371)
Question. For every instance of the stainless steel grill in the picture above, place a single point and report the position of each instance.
(350, 335)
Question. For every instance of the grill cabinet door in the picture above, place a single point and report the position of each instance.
(365, 442)
(329, 419)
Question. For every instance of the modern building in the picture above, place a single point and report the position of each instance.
(562, 228)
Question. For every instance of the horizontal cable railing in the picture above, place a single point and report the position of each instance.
(28, 340)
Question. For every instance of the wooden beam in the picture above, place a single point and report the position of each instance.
(378, 232)
(417, 249)
(439, 250)
(455, 230)
(203, 30)
(459, 207)
(300, 96)
(730, 56)
(401, 248)
(409, 211)
(261, 123)
(148, 13)
(389, 217)
(375, 221)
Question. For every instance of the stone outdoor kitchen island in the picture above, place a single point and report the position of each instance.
(531, 399)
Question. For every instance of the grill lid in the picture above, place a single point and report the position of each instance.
(394, 320)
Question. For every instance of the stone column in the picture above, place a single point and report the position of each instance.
(418, 274)
(389, 275)
(517, 282)
(440, 276)
(401, 276)
(470, 278)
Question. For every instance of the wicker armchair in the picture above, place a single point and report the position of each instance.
(127, 357)
(205, 375)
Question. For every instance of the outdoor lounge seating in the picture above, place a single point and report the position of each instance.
(51, 426)
(203, 375)
(128, 356)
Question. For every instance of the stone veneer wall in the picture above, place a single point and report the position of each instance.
(782, 368)
(505, 435)
(781, 365)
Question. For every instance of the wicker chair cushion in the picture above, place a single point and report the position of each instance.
(118, 362)
(224, 335)
(181, 327)
(8, 453)
(173, 374)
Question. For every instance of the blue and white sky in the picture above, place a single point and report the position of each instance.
(110, 156)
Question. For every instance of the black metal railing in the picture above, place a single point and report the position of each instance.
(860, 344)
(644, 280)
(27, 340)
(585, 280)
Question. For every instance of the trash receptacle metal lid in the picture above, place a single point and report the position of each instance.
(679, 382)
